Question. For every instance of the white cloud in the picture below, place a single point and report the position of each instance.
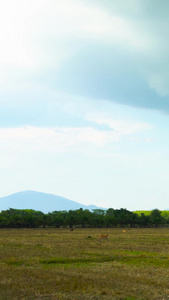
(36, 33)
(21, 141)
(122, 127)
(53, 139)
(149, 140)
(39, 35)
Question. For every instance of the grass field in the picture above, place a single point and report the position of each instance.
(60, 264)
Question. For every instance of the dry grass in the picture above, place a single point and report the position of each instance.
(59, 264)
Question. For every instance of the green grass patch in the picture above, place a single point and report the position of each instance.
(14, 262)
(64, 260)
(136, 258)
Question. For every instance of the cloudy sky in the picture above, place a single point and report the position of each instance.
(84, 100)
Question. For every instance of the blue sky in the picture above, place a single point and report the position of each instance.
(84, 100)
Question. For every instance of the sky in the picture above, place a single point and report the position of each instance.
(84, 100)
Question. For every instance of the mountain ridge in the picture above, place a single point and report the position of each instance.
(45, 202)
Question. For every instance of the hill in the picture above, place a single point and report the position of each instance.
(40, 201)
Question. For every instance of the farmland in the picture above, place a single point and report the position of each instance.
(58, 263)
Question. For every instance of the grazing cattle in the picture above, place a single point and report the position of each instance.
(124, 231)
(71, 229)
(103, 237)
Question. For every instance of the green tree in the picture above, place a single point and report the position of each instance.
(110, 219)
(57, 218)
(98, 217)
(156, 218)
(83, 217)
(122, 217)
(143, 220)
(71, 218)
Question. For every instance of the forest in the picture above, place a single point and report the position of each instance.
(98, 218)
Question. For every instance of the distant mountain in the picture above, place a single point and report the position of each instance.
(41, 202)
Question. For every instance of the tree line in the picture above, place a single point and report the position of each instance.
(27, 218)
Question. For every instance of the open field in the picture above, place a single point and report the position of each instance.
(60, 264)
